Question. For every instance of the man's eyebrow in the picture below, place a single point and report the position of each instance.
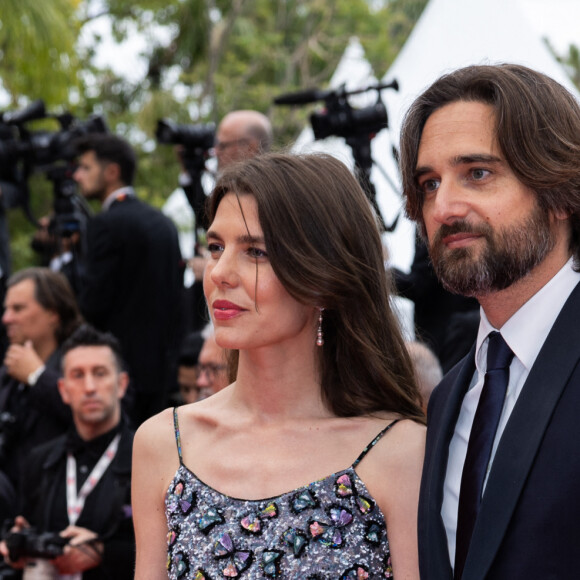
(476, 158)
(461, 160)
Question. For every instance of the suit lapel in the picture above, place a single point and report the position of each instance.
(448, 405)
(523, 435)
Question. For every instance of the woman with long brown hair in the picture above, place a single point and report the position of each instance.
(308, 464)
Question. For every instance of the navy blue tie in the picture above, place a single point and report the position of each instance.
(485, 422)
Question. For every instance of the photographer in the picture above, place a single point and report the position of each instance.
(77, 488)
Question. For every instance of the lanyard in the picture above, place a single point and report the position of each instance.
(75, 503)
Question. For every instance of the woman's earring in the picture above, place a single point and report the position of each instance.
(319, 335)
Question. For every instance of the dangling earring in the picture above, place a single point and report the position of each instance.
(319, 335)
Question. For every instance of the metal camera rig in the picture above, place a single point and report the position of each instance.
(23, 152)
(357, 126)
(195, 143)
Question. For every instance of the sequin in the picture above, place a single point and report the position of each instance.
(355, 573)
(270, 560)
(180, 564)
(304, 500)
(210, 518)
(296, 540)
(253, 522)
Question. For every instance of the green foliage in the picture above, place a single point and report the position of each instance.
(37, 48)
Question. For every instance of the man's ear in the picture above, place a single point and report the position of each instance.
(562, 214)
(123, 383)
(254, 147)
(62, 391)
(112, 172)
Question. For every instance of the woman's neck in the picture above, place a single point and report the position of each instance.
(274, 383)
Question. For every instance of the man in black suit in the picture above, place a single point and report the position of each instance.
(133, 285)
(491, 173)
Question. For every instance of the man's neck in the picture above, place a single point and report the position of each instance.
(90, 431)
(500, 306)
(45, 348)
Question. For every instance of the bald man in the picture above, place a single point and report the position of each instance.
(242, 135)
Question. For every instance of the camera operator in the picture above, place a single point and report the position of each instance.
(134, 273)
(78, 485)
(40, 313)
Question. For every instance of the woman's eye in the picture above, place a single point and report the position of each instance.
(214, 248)
(257, 253)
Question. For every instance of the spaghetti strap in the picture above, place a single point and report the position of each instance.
(372, 443)
(178, 436)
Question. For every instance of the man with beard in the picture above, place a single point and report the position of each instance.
(491, 173)
(134, 276)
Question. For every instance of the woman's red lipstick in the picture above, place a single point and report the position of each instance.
(224, 309)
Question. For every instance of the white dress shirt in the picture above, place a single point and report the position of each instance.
(525, 333)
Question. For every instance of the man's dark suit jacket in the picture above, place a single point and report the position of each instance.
(529, 521)
(133, 288)
(30, 416)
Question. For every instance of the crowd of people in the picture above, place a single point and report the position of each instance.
(294, 431)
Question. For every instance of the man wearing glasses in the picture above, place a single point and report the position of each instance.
(242, 135)
(207, 377)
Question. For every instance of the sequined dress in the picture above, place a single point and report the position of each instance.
(330, 529)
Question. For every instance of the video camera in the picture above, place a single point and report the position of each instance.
(193, 137)
(28, 543)
(23, 152)
(357, 126)
(196, 142)
(42, 148)
(339, 117)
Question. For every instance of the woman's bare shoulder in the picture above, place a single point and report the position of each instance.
(156, 436)
(404, 442)
(400, 451)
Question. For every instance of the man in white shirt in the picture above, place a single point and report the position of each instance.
(490, 157)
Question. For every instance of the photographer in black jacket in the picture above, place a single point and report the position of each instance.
(78, 485)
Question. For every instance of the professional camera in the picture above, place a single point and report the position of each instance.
(339, 117)
(196, 142)
(40, 149)
(28, 543)
(23, 152)
(194, 137)
(357, 126)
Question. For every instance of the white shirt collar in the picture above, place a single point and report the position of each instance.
(127, 190)
(527, 329)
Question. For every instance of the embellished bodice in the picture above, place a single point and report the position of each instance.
(328, 530)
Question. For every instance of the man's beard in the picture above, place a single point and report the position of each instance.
(509, 254)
